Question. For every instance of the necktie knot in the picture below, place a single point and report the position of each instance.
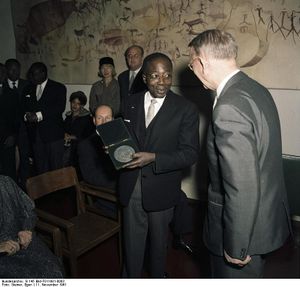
(14, 85)
(150, 112)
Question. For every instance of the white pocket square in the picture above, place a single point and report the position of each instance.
(27, 96)
(126, 120)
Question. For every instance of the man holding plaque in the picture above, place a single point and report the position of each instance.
(165, 128)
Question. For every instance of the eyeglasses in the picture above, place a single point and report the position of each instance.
(190, 65)
(155, 77)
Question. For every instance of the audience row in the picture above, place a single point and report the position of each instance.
(34, 136)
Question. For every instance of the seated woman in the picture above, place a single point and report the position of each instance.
(78, 125)
(22, 253)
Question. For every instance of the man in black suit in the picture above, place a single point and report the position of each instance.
(15, 87)
(95, 165)
(43, 108)
(165, 128)
(131, 81)
(12, 89)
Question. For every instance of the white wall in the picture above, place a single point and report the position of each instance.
(288, 105)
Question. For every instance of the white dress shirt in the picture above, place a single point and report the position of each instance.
(147, 102)
(39, 114)
(11, 85)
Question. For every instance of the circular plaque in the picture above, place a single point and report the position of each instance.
(124, 153)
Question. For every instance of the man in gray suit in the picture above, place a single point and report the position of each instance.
(248, 214)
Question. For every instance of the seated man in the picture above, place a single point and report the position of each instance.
(22, 253)
(95, 165)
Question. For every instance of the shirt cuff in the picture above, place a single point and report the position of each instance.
(39, 116)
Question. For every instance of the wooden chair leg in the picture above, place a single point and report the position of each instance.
(73, 267)
(120, 248)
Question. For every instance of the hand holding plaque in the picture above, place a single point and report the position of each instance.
(118, 142)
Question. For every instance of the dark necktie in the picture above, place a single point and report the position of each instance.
(14, 85)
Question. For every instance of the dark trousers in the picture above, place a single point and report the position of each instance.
(24, 154)
(48, 156)
(139, 223)
(8, 161)
(182, 219)
(220, 268)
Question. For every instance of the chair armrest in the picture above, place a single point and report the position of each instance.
(67, 228)
(97, 191)
(55, 234)
(52, 219)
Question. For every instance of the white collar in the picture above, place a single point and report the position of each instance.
(222, 85)
(225, 80)
(136, 71)
(43, 84)
(10, 83)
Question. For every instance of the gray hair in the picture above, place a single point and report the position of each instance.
(216, 43)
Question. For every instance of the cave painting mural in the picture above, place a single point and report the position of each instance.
(71, 35)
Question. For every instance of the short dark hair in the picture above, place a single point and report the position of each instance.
(155, 56)
(134, 46)
(80, 96)
(12, 61)
(38, 66)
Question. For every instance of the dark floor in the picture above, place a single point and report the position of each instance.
(102, 262)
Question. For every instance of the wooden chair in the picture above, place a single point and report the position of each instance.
(84, 231)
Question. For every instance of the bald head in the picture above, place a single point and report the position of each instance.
(103, 114)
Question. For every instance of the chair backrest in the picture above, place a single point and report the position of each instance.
(291, 168)
(51, 181)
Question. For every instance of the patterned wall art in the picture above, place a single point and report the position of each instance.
(71, 36)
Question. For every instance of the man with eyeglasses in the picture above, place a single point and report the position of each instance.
(131, 81)
(248, 214)
(165, 127)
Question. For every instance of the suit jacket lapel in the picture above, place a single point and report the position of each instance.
(138, 119)
(126, 80)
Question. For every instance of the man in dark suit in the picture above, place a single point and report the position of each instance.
(95, 165)
(130, 81)
(43, 108)
(15, 88)
(248, 214)
(12, 89)
(165, 128)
